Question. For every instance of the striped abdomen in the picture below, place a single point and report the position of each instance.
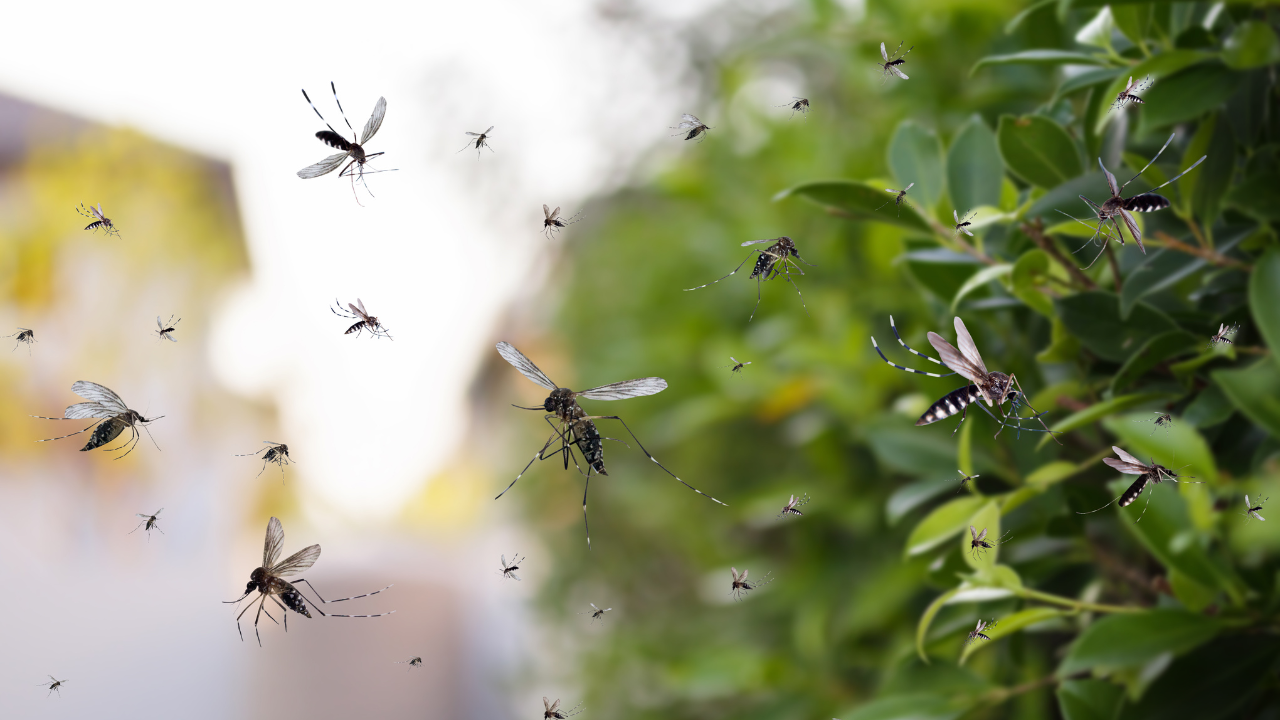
(1146, 202)
(106, 431)
(591, 444)
(952, 403)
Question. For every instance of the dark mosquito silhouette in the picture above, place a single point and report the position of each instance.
(962, 224)
(100, 220)
(1127, 95)
(1223, 337)
(693, 125)
(111, 414)
(1118, 206)
(1151, 474)
(977, 633)
(150, 522)
(979, 543)
(995, 388)
(481, 141)
(413, 663)
(780, 253)
(509, 570)
(364, 321)
(1162, 420)
(1251, 510)
(54, 684)
(741, 586)
(799, 105)
(902, 194)
(793, 505)
(965, 479)
(891, 62)
(574, 427)
(277, 453)
(166, 329)
(351, 150)
(595, 612)
(552, 223)
(737, 366)
(269, 582)
(24, 335)
(551, 712)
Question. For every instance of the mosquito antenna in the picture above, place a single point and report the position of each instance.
(1157, 157)
(344, 114)
(313, 107)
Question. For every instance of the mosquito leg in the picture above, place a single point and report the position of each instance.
(64, 436)
(963, 414)
(284, 611)
(1022, 393)
(1151, 492)
(538, 456)
(797, 287)
(651, 457)
(585, 524)
(713, 282)
(353, 597)
(757, 307)
(913, 351)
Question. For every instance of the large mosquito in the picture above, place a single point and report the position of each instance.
(551, 711)
(741, 586)
(481, 141)
(1152, 473)
(902, 194)
(798, 105)
(552, 223)
(1251, 510)
(112, 417)
(575, 427)
(509, 569)
(891, 62)
(351, 150)
(269, 582)
(166, 329)
(24, 335)
(413, 662)
(1223, 337)
(693, 125)
(100, 220)
(737, 366)
(53, 684)
(277, 453)
(150, 521)
(962, 223)
(793, 505)
(364, 321)
(780, 253)
(978, 632)
(994, 388)
(979, 543)
(595, 612)
(1127, 95)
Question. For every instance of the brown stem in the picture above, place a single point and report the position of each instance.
(999, 695)
(1035, 231)
(1210, 256)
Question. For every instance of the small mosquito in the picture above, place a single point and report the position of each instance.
(509, 570)
(269, 582)
(902, 194)
(692, 124)
(1127, 95)
(150, 522)
(166, 329)
(100, 220)
(595, 612)
(1223, 337)
(364, 321)
(977, 632)
(793, 506)
(741, 586)
(799, 105)
(890, 66)
(1251, 510)
(277, 453)
(552, 223)
(1148, 474)
(413, 662)
(965, 479)
(54, 684)
(979, 542)
(481, 141)
(737, 367)
(551, 712)
(1162, 420)
(766, 267)
(24, 335)
(350, 149)
(962, 224)
(112, 417)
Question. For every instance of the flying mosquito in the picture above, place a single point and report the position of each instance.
(1127, 95)
(277, 453)
(965, 479)
(1118, 206)
(112, 417)
(962, 224)
(902, 194)
(166, 329)
(741, 586)
(890, 66)
(552, 223)
(995, 388)
(269, 582)
(551, 712)
(24, 335)
(54, 684)
(364, 321)
(413, 663)
(977, 632)
(695, 127)
(1148, 474)
(574, 427)
(793, 505)
(150, 522)
(979, 542)
(800, 105)
(509, 570)
(766, 267)
(1224, 336)
(100, 220)
(595, 612)
(351, 150)
(481, 141)
(1251, 510)
(1162, 420)
(737, 366)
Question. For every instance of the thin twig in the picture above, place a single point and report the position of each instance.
(1077, 605)
(999, 695)
(1035, 231)
(1212, 257)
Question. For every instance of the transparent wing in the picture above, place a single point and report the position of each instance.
(1126, 456)
(158, 323)
(491, 127)
(274, 543)
(1247, 504)
(892, 190)
(894, 69)
(967, 346)
(734, 570)
(100, 395)
(98, 211)
(744, 575)
(324, 167)
(952, 358)
(473, 134)
(757, 242)
(1129, 87)
(170, 337)
(81, 411)
(1131, 467)
(1111, 179)
(593, 605)
(690, 119)
(956, 215)
(883, 53)
(524, 365)
(375, 120)
(546, 704)
(912, 184)
(1132, 224)
(973, 532)
(546, 211)
(554, 213)
(360, 304)
(982, 535)
(626, 389)
(555, 705)
(297, 562)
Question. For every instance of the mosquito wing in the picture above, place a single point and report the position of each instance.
(1125, 456)
(757, 242)
(956, 215)
(973, 533)
(554, 213)
(324, 167)
(100, 395)
(982, 535)
(626, 389)
(1127, 463)
(297, 562)
(491, 127)
(912, 184)
(274, 543)
(593, 606)
(85, 410)
(98, 212)
(691, 119)
(734, 570)
(1111, 179)
(555, 705)
(360, 304)
(375, 121)
(159, 324)
(883, 53)
(967, 346)
(1247, 505)
(952, 358)
(1134, 231)
(1128, 87)
(894, 69)
(524, 365)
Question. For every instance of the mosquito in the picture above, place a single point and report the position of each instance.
(100, 220)
(364, 321)
(1127, 95)
(793, 506)
(965, 479)
(799, 105)
(55, 684)
(509, 570)
(24, 335)
(595, 612)
(962, 224)
(737, 367)
(166, 329)
(902, 194)
(550, 710)
(112, 417)
(741, 586)
(552, 223)
(978, 631)
(574, 427)
(1162, 420)
(890, 65)
(781, 252)
(695, 127)
(1251, 510)
(413, 662)
(277, 453)
(150, 522)
(979, 543)
(995, 388)
(1223, 337)
(481, 141)
(269, 582)
(1118, 206)
(350, 149)
(1148, 474)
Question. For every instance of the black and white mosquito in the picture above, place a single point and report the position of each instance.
(798, 105)
(777, 259)
(551, 711)
(111, 414)
(1223, 337)
(413, 662)
(166, 329)
(891, 62)
(574, 427)
(53, 684)
(1118, 206)
(481, 141)
(994, 388)
(100, 220)
(965, 479)
(1149, 474)
(269, 581)
(1127, 95)
(364, 321)
(741, 586)
(1251, 510)
(793, 505)
(693, 126)
(150, 521)
(277, 453)
(978, 632)
(24, 335)
(552, 223)
(963, 223)
(595, 612)
(979, 543)
(509, 569)
(351, 150)
(737, 366)
(902, 194)
(1162, 420)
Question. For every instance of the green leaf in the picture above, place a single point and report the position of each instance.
(1155, 351)
(1252, 45)
(1133, 20)
(1159, 67)
(1030, 272)
(1165, 268)
(1040, 57)
(915, 156)
(1067, 197)
(1210, 181)
(1258, 196)
(1098, 411)
(1087, 79)
(1063, 346)
(979, 279)
(1133, 639)
(1214, 682)
(916, 706)
(944, 523)
(858, 201)
(926, 619)
(1264, 297)
(1255, 391)
(1037, 150)
(1094, 318)
(1010, 625)
(913, 495)
(940, 270)
(1210, 408)
(1089, 699)
(1188, 95)
(986, 518)
(974, 167)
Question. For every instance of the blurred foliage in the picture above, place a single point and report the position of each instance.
(1006, 112)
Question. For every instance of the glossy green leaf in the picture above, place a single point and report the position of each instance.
(964, 449)
(1030, 273)
(926, 619)
(1089, 699)
(1188, 95)
(1157, 68)
(1010, 625)
(1253, 44)
(1255, 391)
(913, 495)
(944, 523)
(1209, 408)
(1158, 349)
(1063, 346)
(916, 706)
(1037, 150)
(1264, 297)
(1133, 20)
(1217, 681)
(1094, 318)
(1212, 179)
(980, 279)
(858, 201)
(1066, 198)
(1098, 411)
(1133, 639)
(1165, 268)
(1040, 57)
(915, 156)
(940, 270)
(986, 518)
(1257, 196)
(974, 167)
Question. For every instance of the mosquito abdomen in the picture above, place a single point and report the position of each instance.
(107, 431)
(950, 404)
(1147, 202)
(334, 140)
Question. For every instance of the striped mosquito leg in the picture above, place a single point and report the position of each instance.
(909, 349)
(42, 417)
(353, 597)
(651, 457)
(950, 404)
(910, 370)
(538, 456)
